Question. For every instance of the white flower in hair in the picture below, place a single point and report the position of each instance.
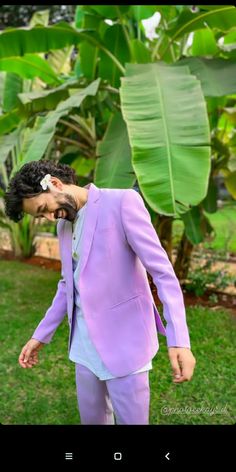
(45, 182)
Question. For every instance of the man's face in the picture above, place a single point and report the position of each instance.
(52, 205)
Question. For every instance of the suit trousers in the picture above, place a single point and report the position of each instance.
(122, 400)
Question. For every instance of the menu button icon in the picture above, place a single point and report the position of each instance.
(69, 456)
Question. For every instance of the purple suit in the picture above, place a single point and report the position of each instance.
(119, 245)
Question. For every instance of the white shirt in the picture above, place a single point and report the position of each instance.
(82, 349)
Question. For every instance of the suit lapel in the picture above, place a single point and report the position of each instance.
(90, 221)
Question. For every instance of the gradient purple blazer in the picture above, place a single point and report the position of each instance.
(120, 245)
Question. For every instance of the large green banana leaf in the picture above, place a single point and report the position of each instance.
(196, 225)
(40, 138)
(113, 166)
(7, 143)
(210, 201)
(79, 16)
(30, 66)
(217, 75)
(88, 53)
(140, 52)
(41, 100)
(12, 86)
(141, 12)
(2, 86)
(20, 41)
(110, 11)
(204, 43)
(169, 134)
(222, 17)
(116, 42)
(9, 121)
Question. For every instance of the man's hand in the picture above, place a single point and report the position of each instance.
(29, 354)
(182, 363)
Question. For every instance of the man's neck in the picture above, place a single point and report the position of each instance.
(80, 195)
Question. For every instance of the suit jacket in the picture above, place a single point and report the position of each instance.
(119, 247)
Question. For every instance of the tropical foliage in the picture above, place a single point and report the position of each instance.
(130, 96)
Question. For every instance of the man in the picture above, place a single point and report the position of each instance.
(107, 245)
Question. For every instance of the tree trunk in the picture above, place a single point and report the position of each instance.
(164, 230)
(182, 262)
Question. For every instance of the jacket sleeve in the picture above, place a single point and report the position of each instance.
(54, 315)
(142, 237)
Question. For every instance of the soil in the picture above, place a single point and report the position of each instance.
(44, 262)
(225, 300)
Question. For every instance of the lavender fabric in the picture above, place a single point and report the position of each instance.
(120, 245)
(82, 349)
(123, 401)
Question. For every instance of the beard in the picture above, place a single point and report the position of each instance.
(68, 206)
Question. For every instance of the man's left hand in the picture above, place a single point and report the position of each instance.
(182, 362)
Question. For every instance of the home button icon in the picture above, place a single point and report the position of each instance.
(117, 456)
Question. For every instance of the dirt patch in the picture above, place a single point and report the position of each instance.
(225, 300)
(43, 262)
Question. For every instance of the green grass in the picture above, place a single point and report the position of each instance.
(224, 224)
(46, 394)
(212, 387)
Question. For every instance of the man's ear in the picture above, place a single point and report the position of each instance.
(55, 184)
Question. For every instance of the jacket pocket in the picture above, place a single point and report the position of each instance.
(125, 301)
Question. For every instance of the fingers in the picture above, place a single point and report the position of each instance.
(22, 357)
(182, 363)
(28, 357)
(177, 374)
(186, 372)
(188, 366)
(180, 379)
(29, 354)
(181, 373)
(28, 363)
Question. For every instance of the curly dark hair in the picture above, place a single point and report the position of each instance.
(26, 184)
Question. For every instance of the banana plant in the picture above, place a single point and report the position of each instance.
(26, 144)
(152, 122)
(23, 233)
(165, 140)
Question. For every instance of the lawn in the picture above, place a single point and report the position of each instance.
(46, 393)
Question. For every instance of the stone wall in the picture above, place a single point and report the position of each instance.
(47, 245)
